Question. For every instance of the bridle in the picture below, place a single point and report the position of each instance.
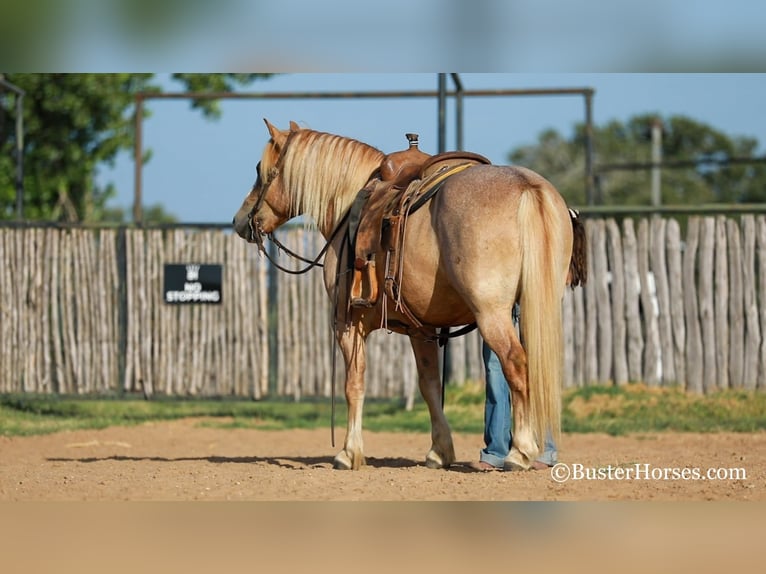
(257, 233)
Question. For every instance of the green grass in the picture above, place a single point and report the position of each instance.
(22, 414)
(612, 410)
(637, 408)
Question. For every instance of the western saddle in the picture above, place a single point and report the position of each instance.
(396, 172)
(405, 180)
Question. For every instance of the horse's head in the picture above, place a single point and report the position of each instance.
(305, 172)
(265, 208)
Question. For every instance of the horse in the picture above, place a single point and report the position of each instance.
(491, 237)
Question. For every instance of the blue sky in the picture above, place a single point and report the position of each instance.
(347, 35)
(201, 169)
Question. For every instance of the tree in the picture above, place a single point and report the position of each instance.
(154, 213)
(705, 175)
(72, 124)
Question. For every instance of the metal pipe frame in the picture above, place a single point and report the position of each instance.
(441, 95)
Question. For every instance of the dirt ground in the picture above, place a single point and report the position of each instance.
(185, 461)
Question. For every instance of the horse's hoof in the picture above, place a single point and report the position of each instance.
(340, 465)
(341, 461)
(516, 461)
(433, 460)
(344, 462)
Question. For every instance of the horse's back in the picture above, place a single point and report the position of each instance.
(464, 251)
(477, 211)
(487, 190)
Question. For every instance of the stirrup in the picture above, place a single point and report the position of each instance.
(356, 286)
(357, 297)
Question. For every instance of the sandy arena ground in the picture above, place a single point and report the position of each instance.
(183, 460)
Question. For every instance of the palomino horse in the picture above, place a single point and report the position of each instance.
(492, 236)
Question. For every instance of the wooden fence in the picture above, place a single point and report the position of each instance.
(668, 311)
(82, 311)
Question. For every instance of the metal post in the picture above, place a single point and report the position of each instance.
(458, 111)
(137, 156)
(590, 195)
(122, 306)
(656, 161)
(442, 147)
(20, 155)
(442, 112)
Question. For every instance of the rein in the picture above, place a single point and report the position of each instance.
(311, 263)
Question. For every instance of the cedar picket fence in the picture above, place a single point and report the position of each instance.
(81, 312)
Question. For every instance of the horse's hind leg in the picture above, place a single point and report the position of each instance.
(352, 345)
(504, 341)
(442, 453)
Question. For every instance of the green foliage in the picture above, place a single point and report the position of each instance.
(562, 161)
(612, 410)
(637, 408)
(72, 124)
(154, 213)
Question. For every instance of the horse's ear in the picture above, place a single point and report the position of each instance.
(276, 134)
(294, 127)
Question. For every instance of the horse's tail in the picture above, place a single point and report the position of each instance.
(545, 240)
(578, 264)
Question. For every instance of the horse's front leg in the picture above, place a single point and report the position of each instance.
(352, 345)
(442, 453)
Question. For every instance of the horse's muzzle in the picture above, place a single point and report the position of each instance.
(245, 228)
(249, 228)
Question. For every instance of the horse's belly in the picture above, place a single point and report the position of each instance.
(441, 311)
(425, 286)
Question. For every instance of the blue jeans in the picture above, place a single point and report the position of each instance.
(497, 416)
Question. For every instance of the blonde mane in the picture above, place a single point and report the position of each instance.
(322, 174)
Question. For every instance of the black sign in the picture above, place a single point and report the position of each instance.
(193, 283)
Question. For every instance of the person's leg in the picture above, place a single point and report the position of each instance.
(497, 411)
(550, 455)
(497, 417)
